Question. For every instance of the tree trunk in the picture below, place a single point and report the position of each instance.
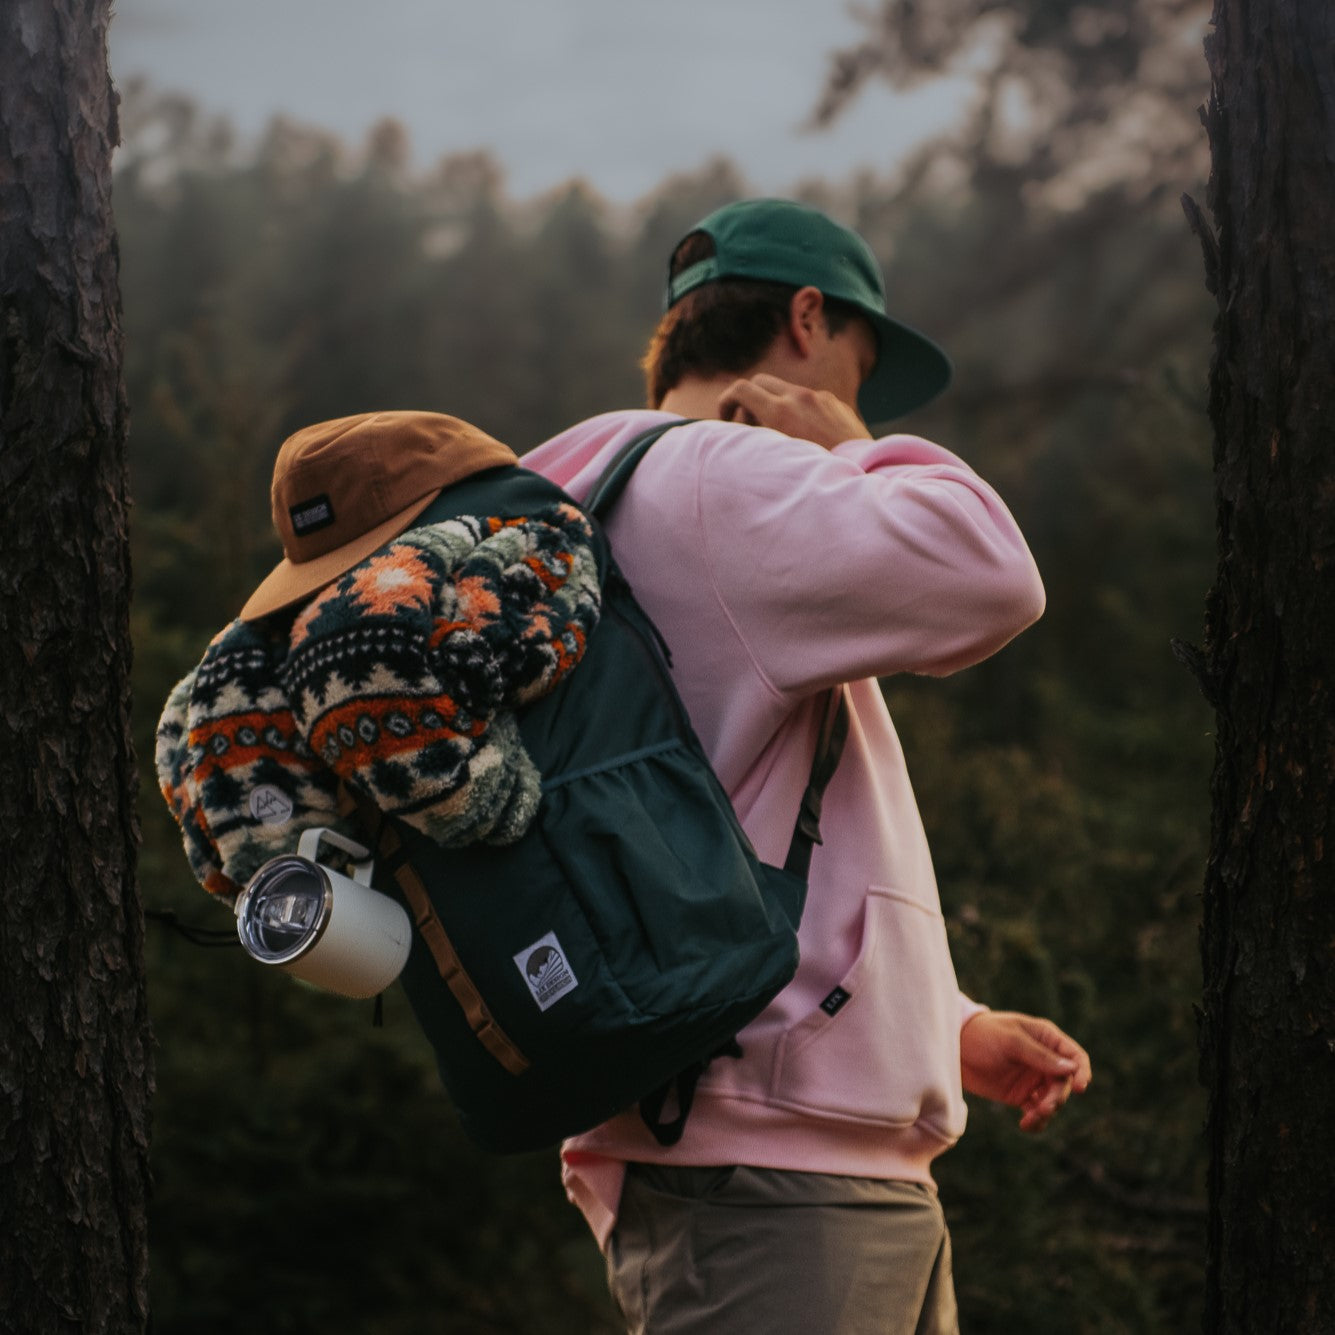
(1268, 941)
(75, 1067)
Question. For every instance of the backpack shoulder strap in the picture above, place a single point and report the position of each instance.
(834, 731)
(612, 481)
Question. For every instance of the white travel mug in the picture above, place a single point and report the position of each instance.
(323, 927)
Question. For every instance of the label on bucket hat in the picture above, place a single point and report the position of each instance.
(546, 971)
(312, 515)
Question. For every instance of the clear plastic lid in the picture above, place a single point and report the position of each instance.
(284, 909)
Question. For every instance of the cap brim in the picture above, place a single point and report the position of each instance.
(291, 582)
(910, 371)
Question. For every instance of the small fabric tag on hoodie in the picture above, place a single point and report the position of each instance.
(834, 1003)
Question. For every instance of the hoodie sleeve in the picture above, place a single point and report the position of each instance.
(878, 557)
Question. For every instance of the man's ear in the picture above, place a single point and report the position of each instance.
(806, 316)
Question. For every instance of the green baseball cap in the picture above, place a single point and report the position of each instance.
(780, 241)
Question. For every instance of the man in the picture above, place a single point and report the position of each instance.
(784, 552)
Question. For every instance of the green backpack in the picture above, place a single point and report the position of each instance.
(605, 958)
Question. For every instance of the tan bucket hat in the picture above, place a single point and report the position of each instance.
(344, 488)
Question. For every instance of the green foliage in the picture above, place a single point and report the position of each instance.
(311, 1178)
(309, 1174)
(1063, 788)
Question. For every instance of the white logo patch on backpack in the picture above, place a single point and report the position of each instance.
(546, 971)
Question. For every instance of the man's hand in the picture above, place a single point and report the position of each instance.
(1023, 1061)
(806, 414)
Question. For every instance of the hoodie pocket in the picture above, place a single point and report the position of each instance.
(883, 1045)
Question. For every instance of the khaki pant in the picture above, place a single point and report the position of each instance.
(757, 1251)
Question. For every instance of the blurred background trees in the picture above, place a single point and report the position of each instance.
(309, 1172)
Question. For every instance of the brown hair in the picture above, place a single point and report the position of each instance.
(724, 325)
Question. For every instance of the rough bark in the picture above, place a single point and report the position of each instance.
(1268, 939)
(75, 1069)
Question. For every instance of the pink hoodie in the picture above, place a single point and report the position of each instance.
(776, 570)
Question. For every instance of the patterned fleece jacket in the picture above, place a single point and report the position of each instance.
(400, 678)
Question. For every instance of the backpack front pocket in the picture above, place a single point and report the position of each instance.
(684, 914)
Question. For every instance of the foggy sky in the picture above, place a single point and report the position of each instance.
(619, 91)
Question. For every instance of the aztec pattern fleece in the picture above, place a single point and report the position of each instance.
(401, 679)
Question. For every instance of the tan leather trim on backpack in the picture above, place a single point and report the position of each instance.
(480, 1020)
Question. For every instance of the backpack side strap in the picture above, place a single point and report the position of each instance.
(829, 747)
(464, 990)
